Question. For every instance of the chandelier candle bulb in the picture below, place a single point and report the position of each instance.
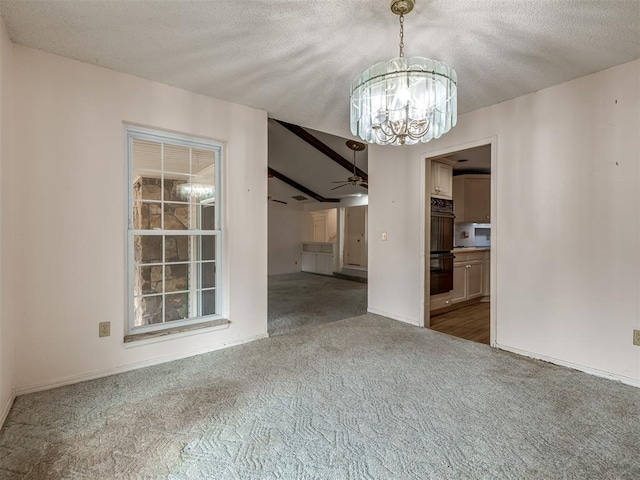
(404, 101)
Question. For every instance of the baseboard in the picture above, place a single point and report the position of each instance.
(392, 316)
(351, 278)
(6, 408)
(575, 366)
(61, 382)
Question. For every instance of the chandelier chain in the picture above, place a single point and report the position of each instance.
(401, 35)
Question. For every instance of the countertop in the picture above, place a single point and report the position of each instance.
(470, 249)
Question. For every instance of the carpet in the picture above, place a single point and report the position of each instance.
(299, 300)
(362, 398)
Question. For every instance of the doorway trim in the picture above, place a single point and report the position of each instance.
(426, 225)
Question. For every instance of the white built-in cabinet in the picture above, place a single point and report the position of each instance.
(468, 276)
(318, 257)
(441, 179)
(472, 197)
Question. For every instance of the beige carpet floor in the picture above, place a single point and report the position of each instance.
(299, 300)
(362, 398)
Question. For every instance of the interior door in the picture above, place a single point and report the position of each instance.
(355, 236)
(320, 229)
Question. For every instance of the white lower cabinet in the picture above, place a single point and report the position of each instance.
(441, 300)
(308, 262)
(468, 276)
(459, 293)
(474, 279)
(318, 257)
(324, 263)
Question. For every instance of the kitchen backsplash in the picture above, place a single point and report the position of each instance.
(472, 235)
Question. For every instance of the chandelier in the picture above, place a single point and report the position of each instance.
(403, 102)
(197, 191)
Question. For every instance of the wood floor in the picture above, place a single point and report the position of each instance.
(470, 322)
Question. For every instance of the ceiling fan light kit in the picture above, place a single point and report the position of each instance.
(404, 101)
(355, 180)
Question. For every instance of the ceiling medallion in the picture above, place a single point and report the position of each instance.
(403, 102)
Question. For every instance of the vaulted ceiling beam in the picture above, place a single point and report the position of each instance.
(323, 147)
(300, 188)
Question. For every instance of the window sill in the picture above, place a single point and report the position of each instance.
(139, 339)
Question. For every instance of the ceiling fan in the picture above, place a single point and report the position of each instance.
(355, 180)
(271, 199)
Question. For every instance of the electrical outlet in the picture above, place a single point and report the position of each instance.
(104, 329)
(636, 337)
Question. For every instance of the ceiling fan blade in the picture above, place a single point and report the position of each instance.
(341, 181)
(340, 186)
(279, 201)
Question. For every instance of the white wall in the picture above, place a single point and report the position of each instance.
(566, 229)
(286, 227)
(7, 325)
(395, 266)
(71, 217)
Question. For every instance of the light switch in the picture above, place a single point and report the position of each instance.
(384, 236)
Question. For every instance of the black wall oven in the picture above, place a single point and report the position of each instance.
(441, 258)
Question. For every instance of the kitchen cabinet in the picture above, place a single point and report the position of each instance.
(318, 257)
(441, 300)
(441, 179)
(472, 197)
(468, 276)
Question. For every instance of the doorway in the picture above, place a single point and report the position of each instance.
(324, 225)
(355, 236)
(463, 176)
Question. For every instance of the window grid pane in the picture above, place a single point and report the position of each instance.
(176, 306)
(147, 249)
(148, 310)
(173, 199)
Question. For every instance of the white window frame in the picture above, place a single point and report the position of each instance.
(132, 132)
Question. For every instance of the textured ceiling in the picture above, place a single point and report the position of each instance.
(296, 59)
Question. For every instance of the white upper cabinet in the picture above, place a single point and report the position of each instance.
(441, 179)
(472, 197)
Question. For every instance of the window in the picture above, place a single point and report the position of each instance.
(174, 237)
